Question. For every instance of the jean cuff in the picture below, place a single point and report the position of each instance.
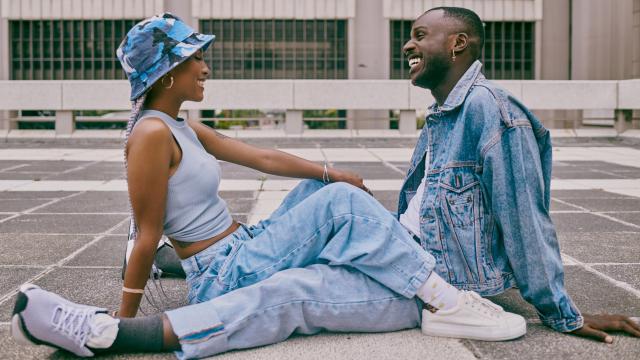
(199, 331)
(417, 281)
(564, 324)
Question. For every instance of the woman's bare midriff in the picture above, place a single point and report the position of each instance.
(188, 249)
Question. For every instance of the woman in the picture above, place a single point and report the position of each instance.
(329, 258)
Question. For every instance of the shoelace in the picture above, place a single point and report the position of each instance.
(76, 323)
(487, 306)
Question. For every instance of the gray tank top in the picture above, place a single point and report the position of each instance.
(194, 210)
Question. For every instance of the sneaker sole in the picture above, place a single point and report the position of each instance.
(458, 332)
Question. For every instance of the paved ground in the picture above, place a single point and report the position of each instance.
(63, 218)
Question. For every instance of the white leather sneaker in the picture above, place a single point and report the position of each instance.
(474, 318)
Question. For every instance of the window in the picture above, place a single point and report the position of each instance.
(277, 49)
(66, 49)
(508, 52)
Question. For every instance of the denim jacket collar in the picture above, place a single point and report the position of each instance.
(459, 93)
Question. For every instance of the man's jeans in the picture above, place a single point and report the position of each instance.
(329, 258)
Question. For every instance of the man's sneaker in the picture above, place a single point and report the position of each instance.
(44, 318)
(474, 318)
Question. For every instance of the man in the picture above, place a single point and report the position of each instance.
(477, 192)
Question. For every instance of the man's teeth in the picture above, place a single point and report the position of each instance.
(414, 61)
(201, 83)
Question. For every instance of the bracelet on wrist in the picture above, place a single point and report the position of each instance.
(325, 175)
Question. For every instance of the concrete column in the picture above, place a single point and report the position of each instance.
(5, 124)
(636, 35)
(623, 120)
(65, 122)
(407, 123)
(555, 41)
(293, 123)
(181, 9)
(371, 57)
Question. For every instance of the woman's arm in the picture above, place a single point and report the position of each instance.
(149, 153)
(267, 160)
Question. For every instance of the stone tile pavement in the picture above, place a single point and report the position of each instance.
(63, 220)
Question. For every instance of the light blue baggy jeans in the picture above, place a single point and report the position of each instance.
(329, 258)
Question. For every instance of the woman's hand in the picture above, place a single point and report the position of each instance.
(350, 177)
(596, 325)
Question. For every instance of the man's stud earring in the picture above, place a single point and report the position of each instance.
(453, 55)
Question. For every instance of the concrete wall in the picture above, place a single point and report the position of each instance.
(488, 10)
(602, 44)
(636, 39)
(80, 9)
(269, 9)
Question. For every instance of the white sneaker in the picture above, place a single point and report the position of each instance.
(474, 318)
(44, 318)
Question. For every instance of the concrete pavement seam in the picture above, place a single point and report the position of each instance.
(600, 214)
(64, 260)
(29, 211)
(620, 284)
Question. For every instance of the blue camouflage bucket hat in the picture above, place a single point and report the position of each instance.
(156, 45)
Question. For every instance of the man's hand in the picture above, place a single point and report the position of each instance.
(596, 325)
(349, 177)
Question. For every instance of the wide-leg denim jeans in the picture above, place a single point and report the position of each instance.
(329, 258)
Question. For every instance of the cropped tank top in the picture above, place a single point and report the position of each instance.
(194, 210)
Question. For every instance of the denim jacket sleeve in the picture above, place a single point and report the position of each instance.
(515, 189)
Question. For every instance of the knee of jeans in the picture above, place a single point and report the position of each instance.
(310, 184)
(342, 190)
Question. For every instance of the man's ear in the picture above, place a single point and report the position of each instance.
(461, 42)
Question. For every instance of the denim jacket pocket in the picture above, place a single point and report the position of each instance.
(458, 186)
(458, 202)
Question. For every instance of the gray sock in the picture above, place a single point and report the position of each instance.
(137, 335)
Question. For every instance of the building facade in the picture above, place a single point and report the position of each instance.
(326, 39)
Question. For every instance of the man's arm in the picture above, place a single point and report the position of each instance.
(515, 188)
(514, 184)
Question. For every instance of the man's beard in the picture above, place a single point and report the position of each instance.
(434, 72)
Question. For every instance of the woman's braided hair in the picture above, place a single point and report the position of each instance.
(136, 109)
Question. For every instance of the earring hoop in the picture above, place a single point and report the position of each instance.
(165, 86)
(453, 55)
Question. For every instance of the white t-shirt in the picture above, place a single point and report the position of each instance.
(410, 219)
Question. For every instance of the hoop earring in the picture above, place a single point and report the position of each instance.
(453, 55)
(165, 86)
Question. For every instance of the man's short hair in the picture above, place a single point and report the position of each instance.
(474, 27)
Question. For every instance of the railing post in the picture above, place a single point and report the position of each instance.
(5, 120)
(293, 123)
(623, 120)
(65, 122)
(407, 123)
(193, 115)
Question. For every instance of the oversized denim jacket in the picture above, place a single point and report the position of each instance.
(485, 211)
